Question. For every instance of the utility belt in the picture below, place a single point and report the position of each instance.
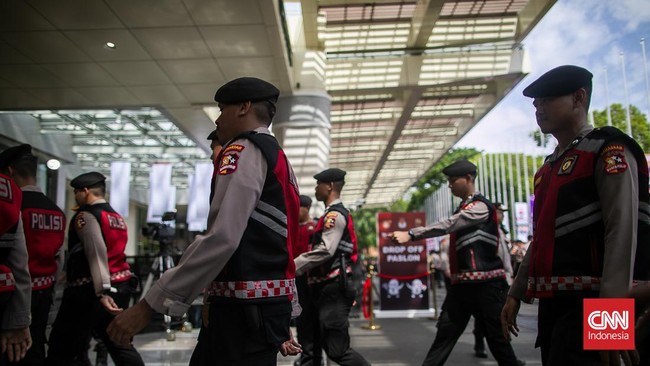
(333, 274)
(477, 276)
(120, 276)
(570, 283)
(252, 289)
(40, 283)
(7, 281)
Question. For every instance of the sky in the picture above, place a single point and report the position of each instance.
(587, 33)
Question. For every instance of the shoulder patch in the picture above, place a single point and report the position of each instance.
(470, 205)
(614, 159)
(567, 165)
(230, 159)
(330, 219)
(79, 221)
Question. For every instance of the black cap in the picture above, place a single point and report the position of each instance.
(14, 153)
(87, 180)
(246, 89)
(560, 81)
(213, 135)
(305, 201)
(500, 206)
(330, 175)
(459, 169)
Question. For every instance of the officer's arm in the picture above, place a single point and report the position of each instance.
(237, 193)
(618, 190)
(520, 284)
(17, 313)
(464, 218)
(324, 250)
(90, 235)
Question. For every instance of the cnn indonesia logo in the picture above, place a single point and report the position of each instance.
(608, 324)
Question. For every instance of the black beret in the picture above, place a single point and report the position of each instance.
(213, 135)
(246, 89)
(305, 201)
(459, 168)
(330, 175)
(87, 180)
(14, 153)
(560, 81)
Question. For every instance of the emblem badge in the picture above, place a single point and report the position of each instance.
(614, 159)
(567, 165)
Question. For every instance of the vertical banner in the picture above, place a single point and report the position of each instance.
(160, 191)
(522, 220)
(120, 179)
(403, 268)
(198, 205)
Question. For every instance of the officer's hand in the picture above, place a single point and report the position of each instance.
(290, 347)
(129, 322)
(613, 358)
(109, 304)
(400, 237)
(509, 317)
(15, 342)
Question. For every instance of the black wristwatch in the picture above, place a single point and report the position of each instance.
(411, 235)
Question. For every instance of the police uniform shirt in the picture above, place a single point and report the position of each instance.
(60, 254)
(90, 235)
(465, 218)
(235, 196)
(620, 214)
(17, 313)
(324, 250)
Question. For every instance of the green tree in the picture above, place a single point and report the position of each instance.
(638, 122)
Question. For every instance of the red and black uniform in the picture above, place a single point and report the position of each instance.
(478, 280)
(332, 292)
(568, 255)
(96, 264)
(115, 234)
(10, 202)
(473, 251)
(44, 226)
(585, 236)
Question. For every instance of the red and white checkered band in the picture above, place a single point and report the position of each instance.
(40, 283)
(121, 276)
(252, 289)
(115, 277)
(335, 273)
(7, 282)
(564, 283)
(477, 275)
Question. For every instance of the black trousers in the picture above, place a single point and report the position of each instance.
(482, 300)
(240, 334)
(41, 303)
(333, 307)
(559, 332)
(80, 317)
(307, 326)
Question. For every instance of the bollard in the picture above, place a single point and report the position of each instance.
(433, 286)
(371, 322)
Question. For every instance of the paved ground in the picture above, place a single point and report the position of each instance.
(399, 342)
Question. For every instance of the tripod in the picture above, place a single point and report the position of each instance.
(161, 263)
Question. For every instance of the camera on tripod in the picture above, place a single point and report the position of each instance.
(163, 232)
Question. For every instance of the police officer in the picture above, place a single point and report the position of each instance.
(328, 264)
(15, 284)
(97, 277)
(590, 218)
(44, 227)
(246, 252)
(307, 322)
(215, 145)
(478, 279)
